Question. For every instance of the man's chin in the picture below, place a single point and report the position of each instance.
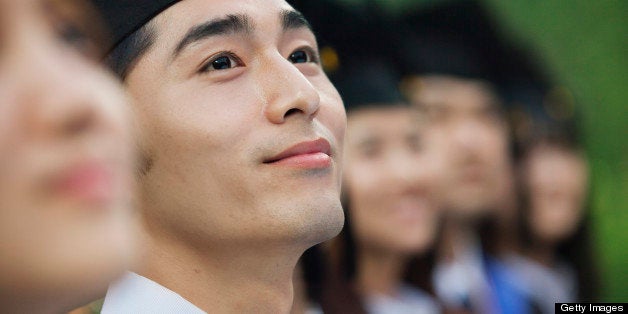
(325, 225)
(335, 222)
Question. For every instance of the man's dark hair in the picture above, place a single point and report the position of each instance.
(123, 57)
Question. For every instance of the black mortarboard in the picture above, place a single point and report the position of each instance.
(349, 29)
(455, 38)
(461, 38)
(368, 81)
(368, 73)
(123, 17)
(335, 24)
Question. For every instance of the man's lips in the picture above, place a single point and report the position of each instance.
(310, 154)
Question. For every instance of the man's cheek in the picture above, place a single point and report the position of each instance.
(336, 121)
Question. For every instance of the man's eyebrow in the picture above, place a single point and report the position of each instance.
(291, 19)
(221, 26)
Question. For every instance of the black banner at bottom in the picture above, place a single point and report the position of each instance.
(590, 308)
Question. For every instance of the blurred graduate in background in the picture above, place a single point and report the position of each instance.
(555, 263)
(473, 84)
(452, 76)
(385, 251)
(470, 84)
(381, 261)
(65, 160)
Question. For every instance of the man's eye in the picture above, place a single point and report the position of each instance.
(299, 56)
(222, 62)
(304, 55)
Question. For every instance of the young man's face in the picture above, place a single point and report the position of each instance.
(472, 135)
(222, 97)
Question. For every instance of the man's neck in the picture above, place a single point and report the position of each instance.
(225, 279)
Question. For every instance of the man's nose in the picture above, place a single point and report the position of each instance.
(287, 91)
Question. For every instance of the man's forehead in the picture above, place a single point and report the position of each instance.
(193, 20)
(199, 11)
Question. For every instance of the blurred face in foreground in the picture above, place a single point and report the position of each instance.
(65, 163)
(388, 179)
(242, 129)
(471, 135)
(556, 181)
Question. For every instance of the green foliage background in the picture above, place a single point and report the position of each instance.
(584, 44)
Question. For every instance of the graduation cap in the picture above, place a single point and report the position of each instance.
(123, 17)
(368, 81)
(349, 30)
(455, 38)
(341, 26)
(462, 39)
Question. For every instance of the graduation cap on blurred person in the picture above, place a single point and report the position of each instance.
(344, 30)
(124, 17)
(368, 81)
(461, 38)
(454, 38)
(364, 41)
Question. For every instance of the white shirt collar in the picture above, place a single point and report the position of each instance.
(134, 294)
(463, 278)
